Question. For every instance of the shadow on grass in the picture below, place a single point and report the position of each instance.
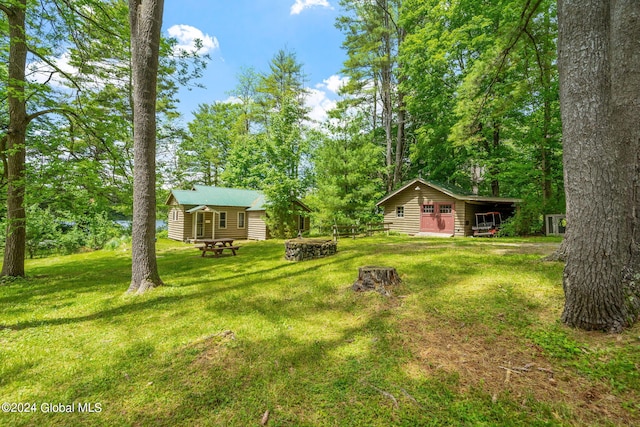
(353, 378)
(350, 375)
(134, 305)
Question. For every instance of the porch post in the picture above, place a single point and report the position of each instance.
(194, 220)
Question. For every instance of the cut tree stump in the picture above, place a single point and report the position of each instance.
(378, 279)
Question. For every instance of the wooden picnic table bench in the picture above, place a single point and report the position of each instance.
(217, 246)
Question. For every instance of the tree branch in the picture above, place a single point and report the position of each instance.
(55, 67)
(505, 52)
(63, 111)
(91, 20)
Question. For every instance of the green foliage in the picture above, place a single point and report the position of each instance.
(50, 232)
(43, 231)
(348, 174)
(373, 39)
(213, 131)
(282, 211)
(286, 144)
(484, 92)
(246, 164)
(116, 243)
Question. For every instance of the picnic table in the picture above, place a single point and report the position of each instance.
(216, 246)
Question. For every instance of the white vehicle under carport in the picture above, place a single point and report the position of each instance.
(487, 224)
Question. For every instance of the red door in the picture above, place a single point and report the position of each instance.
(437, 218)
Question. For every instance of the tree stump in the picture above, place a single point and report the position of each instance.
(378, 279)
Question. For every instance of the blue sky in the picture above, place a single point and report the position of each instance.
(248, 33)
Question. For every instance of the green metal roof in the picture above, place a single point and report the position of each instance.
(259, 204)
(451, 188)
(220, 196)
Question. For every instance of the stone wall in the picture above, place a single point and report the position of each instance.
(303, 249)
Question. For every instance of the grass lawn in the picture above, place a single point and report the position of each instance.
(471, 337)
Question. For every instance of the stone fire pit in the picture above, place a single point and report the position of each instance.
(303, 249)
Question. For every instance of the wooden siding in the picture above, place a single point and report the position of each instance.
(412, 200)
(231, 231)
(256, 227)
(175, 228)
(182, 229)
(471, 217)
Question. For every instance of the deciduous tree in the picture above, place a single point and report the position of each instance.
(599, 63)
(145, 17)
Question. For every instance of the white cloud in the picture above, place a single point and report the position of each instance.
(333, 83)
(41, 72)
(186, 35)
(319, 105)
(301, 5)
(232, 100)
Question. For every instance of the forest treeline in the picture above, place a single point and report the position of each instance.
(462, 92)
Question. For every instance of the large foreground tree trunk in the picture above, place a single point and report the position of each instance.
(145, 17)
(14, 250)
(599, 64)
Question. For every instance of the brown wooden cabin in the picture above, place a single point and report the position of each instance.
(206, 212)
(425, 207)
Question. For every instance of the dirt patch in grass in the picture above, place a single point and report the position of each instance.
(494, 246)
(506, 367)
(544, 249)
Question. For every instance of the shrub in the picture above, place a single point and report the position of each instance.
(71, 241)
(117, 242)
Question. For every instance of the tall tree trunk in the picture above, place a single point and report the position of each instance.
(402, 112)
(495, 183)
(400, 141)
(14, 251)
(545, 80)
(599, 66)
(145, 17)
(387, 101)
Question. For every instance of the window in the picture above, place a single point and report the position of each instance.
(445, 209)
(300, 223)
(175, 215)
(400, 212)
(240, 219)
(222, 221)
(428, 209)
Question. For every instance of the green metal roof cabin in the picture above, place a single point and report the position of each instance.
(217, 212)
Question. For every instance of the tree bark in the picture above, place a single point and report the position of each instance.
(14, 251)
(599, 66)
(400, 135)
(145, 17)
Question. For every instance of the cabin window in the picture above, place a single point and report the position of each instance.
(240, 219)
(445, 209)
(222, 220)
(428, 209)
(399, 211)
(175, 215)
(300, 222)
